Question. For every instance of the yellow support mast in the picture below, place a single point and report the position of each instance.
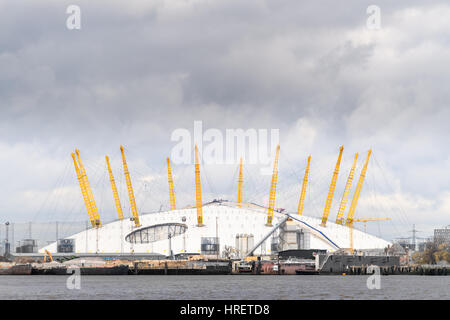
(339, 218)
(301, 202)
(87, 186)
(84, 192)
(130, 190)
(326, 210)
(273, 189)
(173, 205)
(114, 190)
(240, 182)
(352, 209)
(198, 191)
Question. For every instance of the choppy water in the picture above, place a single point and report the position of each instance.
(225, 287)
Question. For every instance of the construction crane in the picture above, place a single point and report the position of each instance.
(93, 207)
(301, 202)
(273, 189)
(352, 209)
(240, 182)
(198, 191)
(361, 220)
(173, 205)
(130, 190)
(47, 256)
(114, 190)
(326, 210)
(370, 219)
(339, 219)
(84, 192)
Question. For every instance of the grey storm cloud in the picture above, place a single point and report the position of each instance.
(138, 70)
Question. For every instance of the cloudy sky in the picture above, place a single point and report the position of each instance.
(138, 70)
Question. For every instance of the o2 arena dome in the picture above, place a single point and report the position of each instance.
(232, 229)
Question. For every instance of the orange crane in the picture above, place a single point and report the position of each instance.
(273, 189)
(130, 190)
(326, 210)
(47, 256)
(198, 191)
(339, 219)
(240, 182)
(361, 220)
(114, 190)
(173, 205)
(370, 219)
(301, 202)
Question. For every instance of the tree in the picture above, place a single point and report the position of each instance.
(433, 253)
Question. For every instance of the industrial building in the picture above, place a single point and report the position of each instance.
(233, 229)
(442, 235)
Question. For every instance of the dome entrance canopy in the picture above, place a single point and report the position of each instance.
(156, 233)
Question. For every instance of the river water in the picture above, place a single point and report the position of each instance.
(234, 287)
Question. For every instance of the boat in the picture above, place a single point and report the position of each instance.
(15, 269)
(245, 267)
(84, 270)
(183, 267)
(298, 266)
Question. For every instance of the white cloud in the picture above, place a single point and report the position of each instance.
(138, 70)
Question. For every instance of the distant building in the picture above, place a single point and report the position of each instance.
(442, 235)
(405, 243)
(422, 246)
